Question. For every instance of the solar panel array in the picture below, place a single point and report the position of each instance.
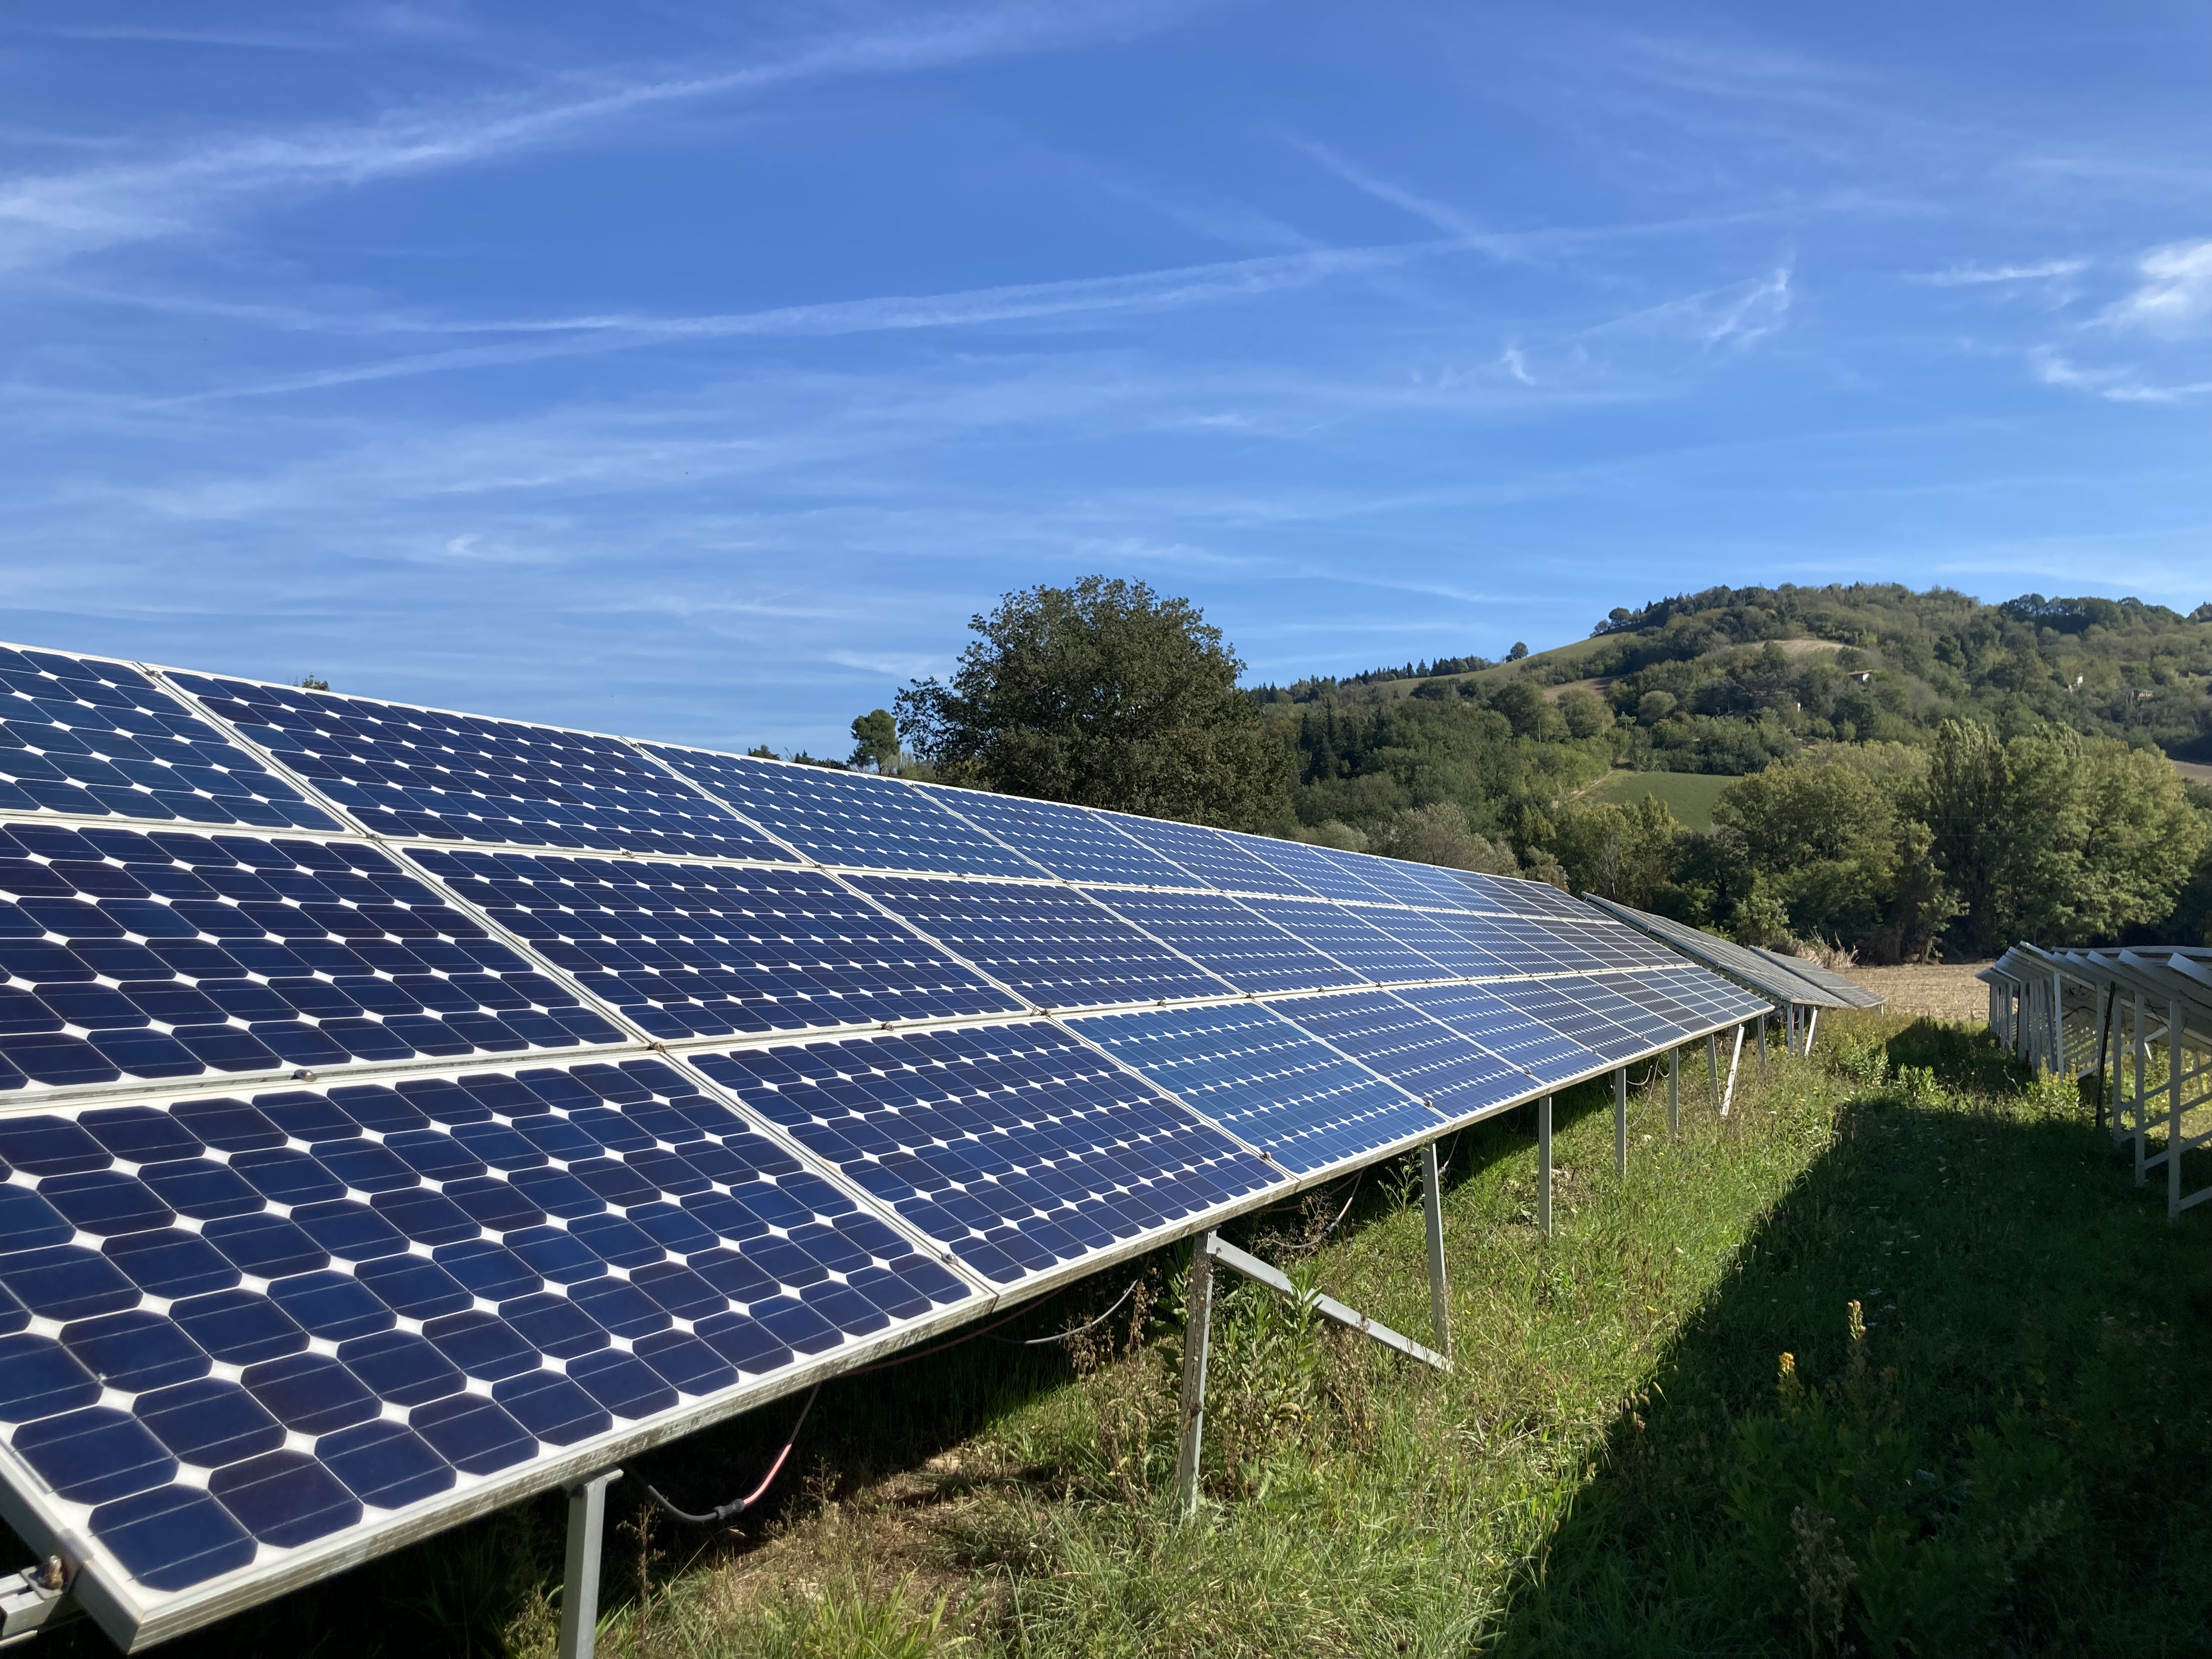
(402, 1111)
(1783, 980)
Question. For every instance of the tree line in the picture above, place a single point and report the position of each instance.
(1915, 774)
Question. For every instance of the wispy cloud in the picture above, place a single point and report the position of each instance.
(2119, 385)
(1984, 275)
(51, 217)
(2175, 293)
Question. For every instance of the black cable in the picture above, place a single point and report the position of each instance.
(739, 1505)
(1088, 1324)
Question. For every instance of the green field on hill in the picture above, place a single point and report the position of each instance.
(1689, 795)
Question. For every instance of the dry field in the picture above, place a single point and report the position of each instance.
(1947, 991)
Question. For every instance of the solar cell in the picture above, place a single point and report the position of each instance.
(1016, 1147)
(1419, 1055)
(91, 739)
(1229, 940)
(1518, 947)
(1212, 856)
(163, 954)
(1547, 1001)
(1646, 992)
(1477, 1011)
(1346, 935)
(244, 1326)
(1265, 1080)
(1407, 883)
(1635, 1015)
(1073, 842)
(850, 819)
(1048, 944)
(694, 950)
(1431, 935)
(1318, 870)
(421, 773)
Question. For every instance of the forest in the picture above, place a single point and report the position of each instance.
(1911, 775)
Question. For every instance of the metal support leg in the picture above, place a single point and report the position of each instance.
(579, 1582)
(1197, 1336)
(1812, 1024)
(1675, 1091)
(1762, 1048)
(2175, 1060)
(1432, 1199)
(1728, 1093)
(1713, 1068)
(2142, 1088)
(1544, 1166)
(1621, 1119)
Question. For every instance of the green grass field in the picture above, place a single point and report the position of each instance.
(1895, 1359)
(1689, 795)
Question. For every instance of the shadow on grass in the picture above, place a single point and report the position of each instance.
(465, 1592)
(2012, 1457)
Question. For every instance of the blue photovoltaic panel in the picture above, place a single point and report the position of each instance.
(1635, 1015)
(846, 818)
(419, 774)
(1564, 945)
(1264, 1080)
(1617, 944)
(1704, 991)
(1515, 897)
(1015, 1146)
(1407, 883)
(1519, 947)
(1432, 935)
(160, 954)
(1073, 842)
(1048, 944)
(1642, 990)
(231, 1323)
(1229, 938)
(1346, 935)
(94, 740)
(1212, 856)
(1476, 1012)
(1419, 1055)
(1322, 871)
(702, 950)
(1550, 1003)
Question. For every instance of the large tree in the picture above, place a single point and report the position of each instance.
(1107, 695)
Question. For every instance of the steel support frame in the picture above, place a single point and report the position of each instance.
(1198, 1335)
(1544, 1165)
(580, 1576)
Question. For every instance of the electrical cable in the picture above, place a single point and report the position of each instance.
(1088, 1324)
(739, 1506)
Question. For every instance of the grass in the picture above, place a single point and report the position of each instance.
(1895, 1359)
(1690, 796)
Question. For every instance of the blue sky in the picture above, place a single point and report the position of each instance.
(696, 371)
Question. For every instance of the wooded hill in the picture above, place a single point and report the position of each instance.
(1861, 680)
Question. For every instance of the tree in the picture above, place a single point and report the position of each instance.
(875, 741)
(1106, 695)
(1440, 834)
(1520, 650)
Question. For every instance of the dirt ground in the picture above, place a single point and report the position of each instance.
(1949, 991)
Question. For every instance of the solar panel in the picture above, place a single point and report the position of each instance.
(92, 738)
(1050, 944)
(1477, 1011)
(240, 1330)
(1422, 1056)
(1844, 990)
(850, 819)
(692, 950)
(1228, 938)
(1212, 856)
(165, 955)
(1265, 1080)
(1073, 842)
(1547, 1001)
(423, 774)
(1016, 1148)
(246, 1338)
(1502, 938)
(1346, 935)
(1313, 868)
